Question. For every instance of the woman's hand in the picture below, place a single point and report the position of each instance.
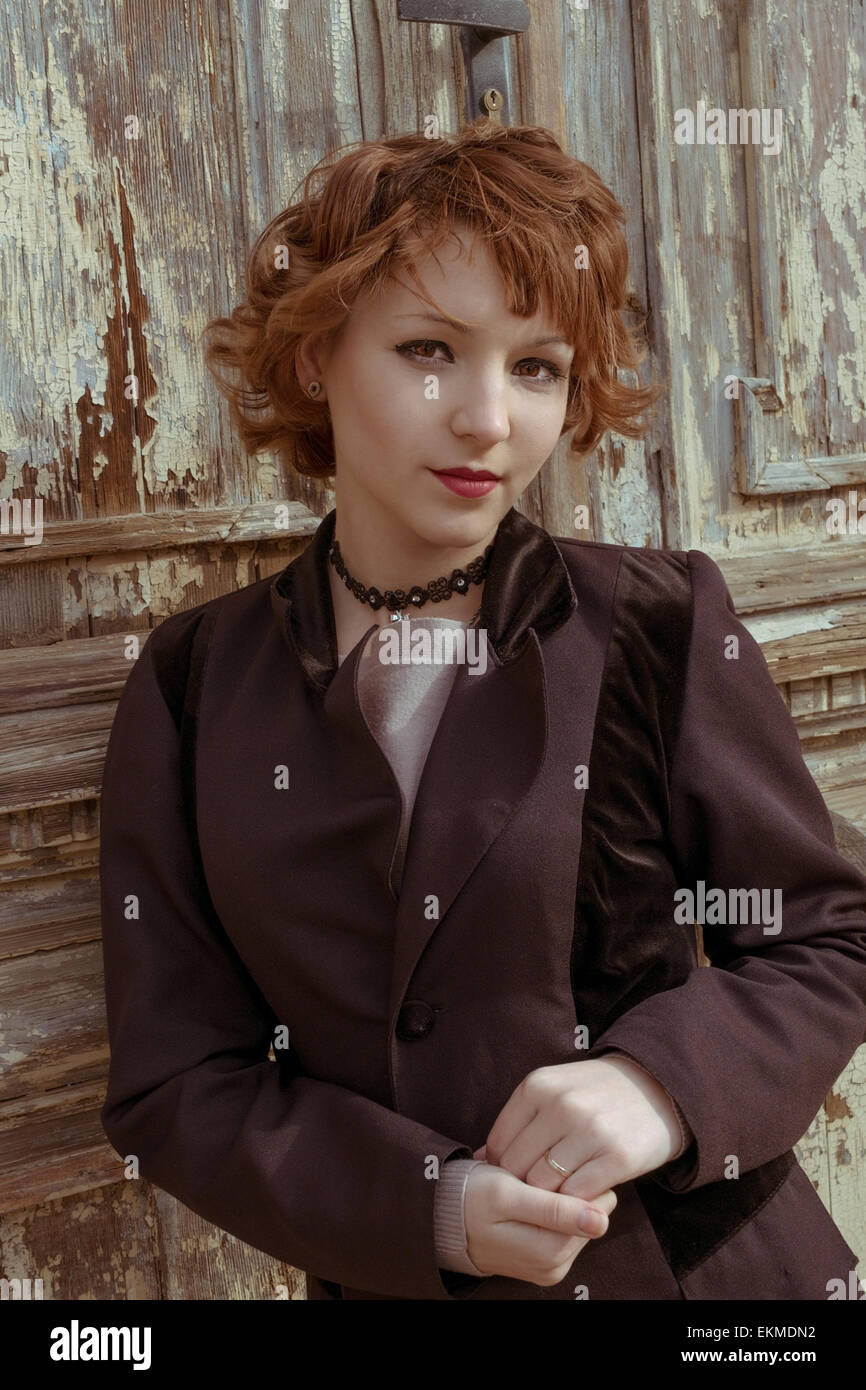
(523, 1232)
(604, 1120)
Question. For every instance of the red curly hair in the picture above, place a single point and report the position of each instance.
(379, 205)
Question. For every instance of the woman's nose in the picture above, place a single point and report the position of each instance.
(482, 411)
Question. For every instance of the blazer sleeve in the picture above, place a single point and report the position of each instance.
(310, 1172)
(749, 1046)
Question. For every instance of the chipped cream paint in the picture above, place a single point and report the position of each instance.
(17, 1255)
(846, 1150)
(628, 500)
(697, 496)
(337, 22)
(166, 581)
(45, 173)
(681, 308)
(159, 584)
(66, 357)
(708, 202)
(732, 320)
(842, 202)
(269, 476)
(714, 368)
(804, 324)
(775, 627)
(175, 447)
(244, 555)
(110, 588)
(697, 320)
(11, 1055)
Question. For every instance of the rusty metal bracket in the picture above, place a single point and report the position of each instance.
(485, 26)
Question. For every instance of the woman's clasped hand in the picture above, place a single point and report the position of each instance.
(605, 1121)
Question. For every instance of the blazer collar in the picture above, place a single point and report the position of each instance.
(527, 586)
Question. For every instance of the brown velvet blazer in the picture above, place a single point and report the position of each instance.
(239, 912)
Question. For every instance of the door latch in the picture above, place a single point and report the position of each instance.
(485, 26)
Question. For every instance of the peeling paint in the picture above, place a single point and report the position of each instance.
(774, 627)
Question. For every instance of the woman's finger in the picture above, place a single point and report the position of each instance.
(562, 1213)
(597, 1174)
(547, 1133)
(517, 1112)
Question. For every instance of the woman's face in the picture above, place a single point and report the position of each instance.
(410, 395)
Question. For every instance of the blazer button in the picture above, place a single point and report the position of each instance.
(414, 1020)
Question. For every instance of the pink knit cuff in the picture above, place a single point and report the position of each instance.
(448, 1216)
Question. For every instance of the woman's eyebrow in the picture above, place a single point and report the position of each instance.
(458, 328)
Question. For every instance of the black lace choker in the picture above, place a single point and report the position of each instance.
(396, 600)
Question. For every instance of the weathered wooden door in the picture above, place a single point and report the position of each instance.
(142, 148)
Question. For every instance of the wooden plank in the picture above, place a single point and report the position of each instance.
(825, 724)
(282, 522)
(806, 654)
(56, 1152)
(44, 913)
(102, 1243)
(46, 757)
(128, 1240)
(806, 357)
(579, 61)
(782, 579)
(850, 802)
(841, 768)
(704, 276)
(822, 694)
(201, 1261)
(64, 674)
(54, 1031)
(47, 841)
(65, 600)
(845, 1110)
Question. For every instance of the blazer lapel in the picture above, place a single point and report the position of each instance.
(485, 755)
(490, 742)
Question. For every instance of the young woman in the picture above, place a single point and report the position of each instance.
(402, 850)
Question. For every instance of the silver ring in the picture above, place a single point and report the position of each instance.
(553, 1163)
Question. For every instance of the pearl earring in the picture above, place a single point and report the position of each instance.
(314, 388)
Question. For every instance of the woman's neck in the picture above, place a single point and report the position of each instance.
(353, 618)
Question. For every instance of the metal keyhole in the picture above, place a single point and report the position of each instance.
(493, 101)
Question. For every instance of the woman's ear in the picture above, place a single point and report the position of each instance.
(311, 361)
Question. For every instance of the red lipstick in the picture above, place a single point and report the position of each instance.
(467, 482)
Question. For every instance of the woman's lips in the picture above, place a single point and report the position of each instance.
(467, 487)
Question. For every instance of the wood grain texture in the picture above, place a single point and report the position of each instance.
(578, 79)
(131, 1241)
(705, 271)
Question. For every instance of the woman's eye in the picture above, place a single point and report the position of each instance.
(411, 350)
(556, 373)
